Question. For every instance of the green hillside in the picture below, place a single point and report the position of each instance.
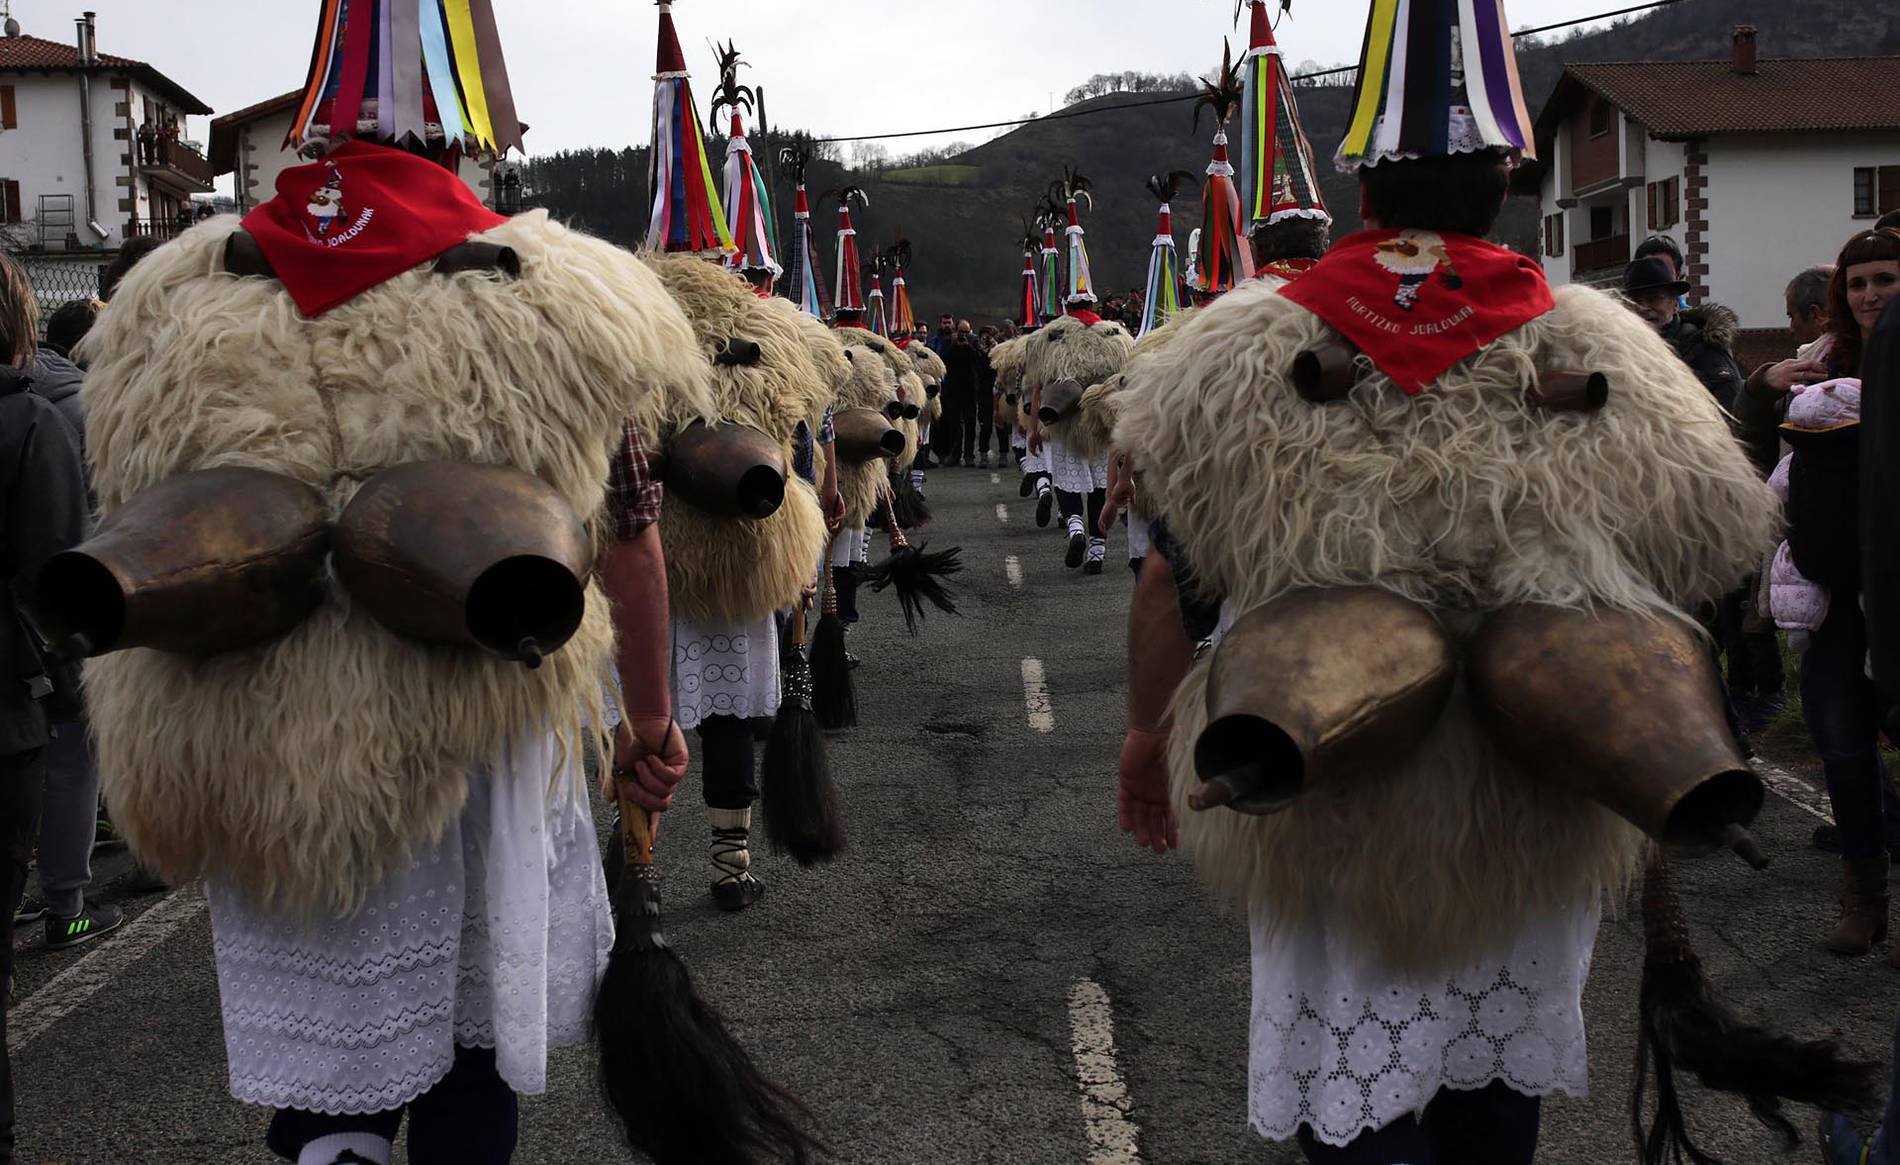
(963, 215)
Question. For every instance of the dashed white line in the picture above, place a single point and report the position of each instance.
(1113, 1138)
(1042, 714)
(1794, 790)
(996, 479)
(1013, 570)
(1002, 513)
(69, 990)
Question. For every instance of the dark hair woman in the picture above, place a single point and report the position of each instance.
(1842, 706)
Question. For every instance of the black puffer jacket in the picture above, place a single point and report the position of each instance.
(42, 511)
(1705, 339)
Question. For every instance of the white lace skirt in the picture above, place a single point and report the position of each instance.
(1071, 472)
(1344, 1049)
(494, 938)
(724, 671)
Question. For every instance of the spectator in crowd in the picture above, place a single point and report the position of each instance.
(1703, 339)
(946, 331)
(1888, 222)
(1807, 304)
(129, 255)
(1843, 708)
(1843, 1140)
(43, 506)
(69, 820)
(964, 363)
(1663, 247)
(983, 409)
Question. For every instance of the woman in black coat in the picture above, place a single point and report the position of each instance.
(1843, 707)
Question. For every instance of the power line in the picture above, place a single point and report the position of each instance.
(1179, 98)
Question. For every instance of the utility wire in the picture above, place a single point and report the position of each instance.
(1178, 98)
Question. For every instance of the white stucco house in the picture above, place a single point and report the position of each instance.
(93, 147)
(251, 143)
(1758, 168)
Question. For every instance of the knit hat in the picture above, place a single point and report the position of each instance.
(807, 283)
(1163, 297)
(686, 211)
(407, 72)
(748, 198)
(1276, 160)
(1436, 79)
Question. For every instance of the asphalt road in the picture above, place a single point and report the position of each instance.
(940, 994)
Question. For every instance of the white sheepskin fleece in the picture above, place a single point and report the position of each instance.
(1466, 500)
(735, 570)
(1088, 354)
(874, 383)
(305, 771)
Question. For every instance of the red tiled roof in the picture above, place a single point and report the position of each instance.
(22, 54)
(32, 52)
(1691, 99)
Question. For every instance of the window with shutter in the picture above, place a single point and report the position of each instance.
(1675, 201)
(11, 189)
(9, 109)
(1864, 199)
(1655, 218)
(1889, 190)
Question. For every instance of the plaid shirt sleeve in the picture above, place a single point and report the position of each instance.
(828, 432)
(633, 495)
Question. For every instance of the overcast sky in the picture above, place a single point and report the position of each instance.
(581, 68)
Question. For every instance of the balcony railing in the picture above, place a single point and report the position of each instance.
(164, 229)
(1602, 253)
(163, 157)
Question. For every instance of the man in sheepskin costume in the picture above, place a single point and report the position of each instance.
(1062, 361)
(1453, 683)
(733, 562)
(353, 684)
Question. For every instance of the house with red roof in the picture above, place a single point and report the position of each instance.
(1759, 167)
(93, 147)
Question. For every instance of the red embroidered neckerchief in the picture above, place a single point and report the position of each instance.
(1416, 302)
(359, 217)
(1086, 315)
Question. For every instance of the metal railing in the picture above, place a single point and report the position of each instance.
(163, 153)
(1601, 253)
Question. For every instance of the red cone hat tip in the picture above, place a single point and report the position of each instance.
(1262, 37)
(671, 59)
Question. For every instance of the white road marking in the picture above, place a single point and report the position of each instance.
(996, 479)
(1013, 570)
(1112, 1136)
(1002, 513)
(69, 990)
(1794, 790)
(1042, 714)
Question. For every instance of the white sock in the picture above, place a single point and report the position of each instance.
(731, 855)
(346, 1149)
(1098, 549)
(1075, 525)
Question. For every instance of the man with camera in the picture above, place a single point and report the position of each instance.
(956, 439)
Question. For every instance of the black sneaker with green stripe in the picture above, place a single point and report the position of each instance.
(92, 921)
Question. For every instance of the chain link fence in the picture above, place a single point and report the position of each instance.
(60, 279)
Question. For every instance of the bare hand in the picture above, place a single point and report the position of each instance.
(1035, 439)
(1121, 494)
(649, 762)
(1141, 802)
(834, 511)
(1789, 374)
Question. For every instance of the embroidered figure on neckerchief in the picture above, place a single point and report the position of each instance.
(1415, 256)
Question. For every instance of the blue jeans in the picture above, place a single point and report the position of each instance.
(1842, 707)
(1491, 1126)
